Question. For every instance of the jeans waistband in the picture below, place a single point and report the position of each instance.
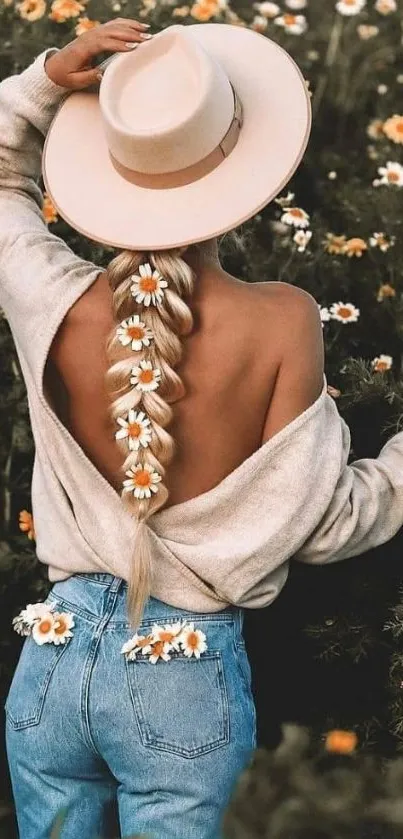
(102, 578)
(94, 594)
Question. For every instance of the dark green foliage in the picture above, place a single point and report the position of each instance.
(299, 791)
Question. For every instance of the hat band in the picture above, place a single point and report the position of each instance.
(169, 180)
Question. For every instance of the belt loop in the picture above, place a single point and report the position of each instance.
(116, 584)
(240, 618)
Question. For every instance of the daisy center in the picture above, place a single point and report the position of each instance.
(297, 213)
(146, 376)
(158, 647)
(399, 126)
(45, 626)
(143, 478)
(148, 284)
(289, 20)
(61, 626)
(166, 636)
(134, 429)
(192, 640)
(136, 332)
(142, 642)
(344, 313)
(393, 176)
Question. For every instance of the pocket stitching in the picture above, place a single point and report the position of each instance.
(142, 724)
(247, 686)
(27, 722)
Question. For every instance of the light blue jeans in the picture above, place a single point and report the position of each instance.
(89, 730)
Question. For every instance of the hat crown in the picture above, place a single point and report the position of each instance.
(165, 106)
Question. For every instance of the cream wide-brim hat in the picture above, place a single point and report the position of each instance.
(86, 184)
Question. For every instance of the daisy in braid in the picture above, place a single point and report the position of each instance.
(152, 317)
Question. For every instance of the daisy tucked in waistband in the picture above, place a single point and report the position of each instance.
(46, 626)
(166, 642)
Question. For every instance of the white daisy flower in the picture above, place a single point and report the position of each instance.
(382, 363)
(332, 175)
(64, 622)
(293, 24)
(43, 630)
(385, 7)
(145, 377)
(20, 626)
(133, 331)
(148, 285)
(365, 32)
(137, 644)
(268, 10)
(296, 217)
(193, 641)
(169, 634)
(382, 89)
(379, 240)
(302, 238)
(136, 429)
(344, 312)
(296, 5)
(375, 129)
(324, 314)
(283, 202)
(33, 611)
(142, 480)
(160, 650)
(392, 173)
(259, 23)
(350, 7)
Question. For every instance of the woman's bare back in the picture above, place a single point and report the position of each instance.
(232, 367)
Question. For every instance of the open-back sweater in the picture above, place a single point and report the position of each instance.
(294, 497)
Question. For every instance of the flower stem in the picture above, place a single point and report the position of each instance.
(332, 49)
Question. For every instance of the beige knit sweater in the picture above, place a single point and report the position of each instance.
(295, 497)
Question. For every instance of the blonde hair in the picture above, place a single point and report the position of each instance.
(167, 322)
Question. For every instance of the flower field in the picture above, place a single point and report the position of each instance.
(332, 642)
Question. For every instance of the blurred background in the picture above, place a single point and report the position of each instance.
(329, 652)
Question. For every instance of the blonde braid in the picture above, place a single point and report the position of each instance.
(154, 348)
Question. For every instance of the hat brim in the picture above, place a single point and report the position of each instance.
(93, 198)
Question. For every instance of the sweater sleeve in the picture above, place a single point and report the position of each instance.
(39, 273)
(365, 511)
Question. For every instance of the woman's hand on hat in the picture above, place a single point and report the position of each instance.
(71, 67)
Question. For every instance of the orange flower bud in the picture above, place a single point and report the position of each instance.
(342, 742)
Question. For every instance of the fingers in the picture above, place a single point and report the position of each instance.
(128, 22)
(115, 36)
(130, 35)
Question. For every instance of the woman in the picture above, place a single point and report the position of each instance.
(166, 521)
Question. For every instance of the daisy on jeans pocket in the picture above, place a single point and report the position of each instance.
(44, 624)
(193, 641)
(170, 634)
(137, 644)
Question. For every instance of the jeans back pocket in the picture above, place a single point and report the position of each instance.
(27, 692)
(181, 705)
